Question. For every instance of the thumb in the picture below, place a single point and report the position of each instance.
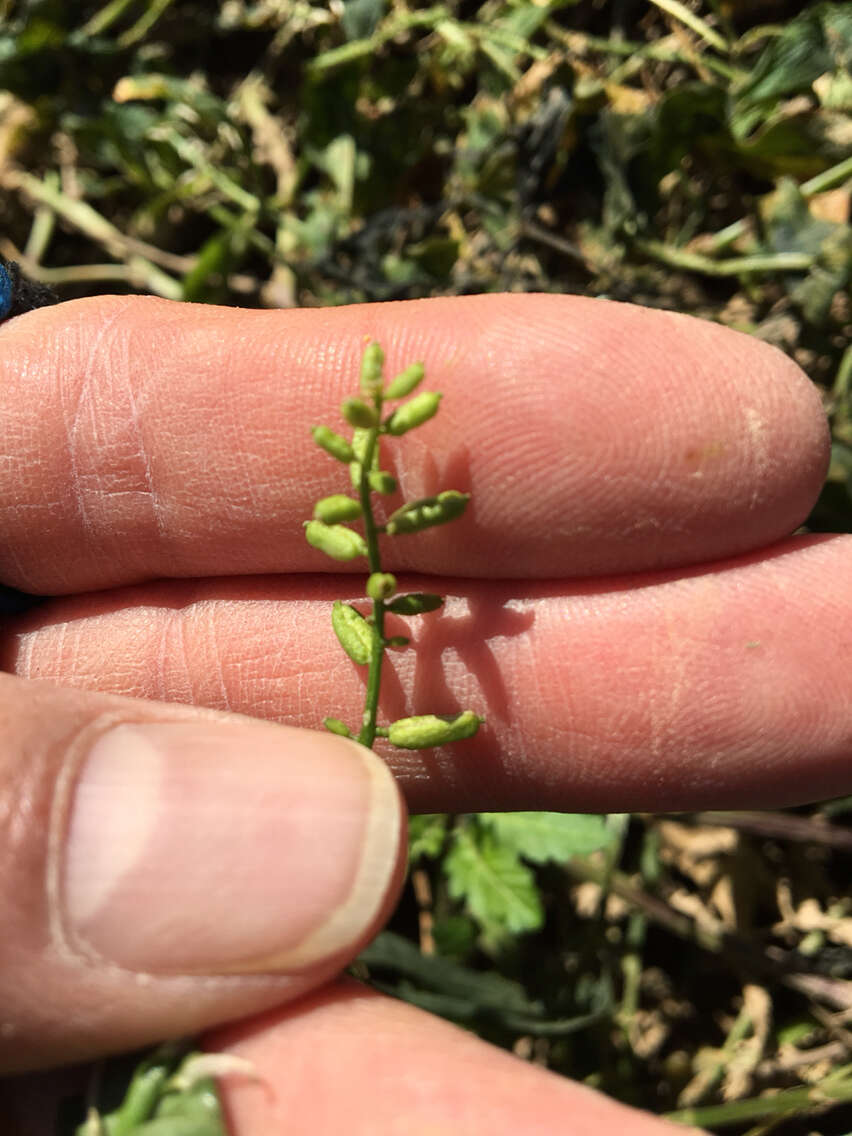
(164, 868)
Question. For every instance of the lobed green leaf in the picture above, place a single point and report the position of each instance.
(497, 889)
(541, 837)
(426, 835)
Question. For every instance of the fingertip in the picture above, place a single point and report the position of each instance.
(378, 1066)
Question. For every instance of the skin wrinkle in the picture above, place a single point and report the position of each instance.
(135, 420)
(214, 652)
(174, 670)
(71, 417)
(116, 427)
(107, 341)
(761, 463)
(666, 703)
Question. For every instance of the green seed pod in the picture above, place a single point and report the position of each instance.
(381, 481)
(415, 603)
(333, 443)
(381, 585)
(353, 631)
(372, 362)
(405, 382)
(355, 474)
(337, 727)
(430, 730)
(360, 442)
(336, 541)
(428, 511)
(338, 507)
(421, 408)
(358, 413)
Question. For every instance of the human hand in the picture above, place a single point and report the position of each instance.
(623, 607)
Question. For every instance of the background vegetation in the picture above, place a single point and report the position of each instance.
(682, 155)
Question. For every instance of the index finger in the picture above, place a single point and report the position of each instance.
(146, 439)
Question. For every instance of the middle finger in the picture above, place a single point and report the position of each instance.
(714, 687)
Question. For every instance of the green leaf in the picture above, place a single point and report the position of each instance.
(483, 990)
(206, 280)
(812, 45)
(160, 1101)
(541, 837)
(179, 1126)
(361, 17)
(497, 889)
(426, 835)
(455, 936)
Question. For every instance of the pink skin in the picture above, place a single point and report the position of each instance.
(626, 605)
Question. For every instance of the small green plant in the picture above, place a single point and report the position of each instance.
(362, 636)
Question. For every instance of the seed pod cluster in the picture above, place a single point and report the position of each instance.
(363, 637)
(429, 511)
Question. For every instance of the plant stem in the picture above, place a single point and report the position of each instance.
(734, 266)
(367, 734)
